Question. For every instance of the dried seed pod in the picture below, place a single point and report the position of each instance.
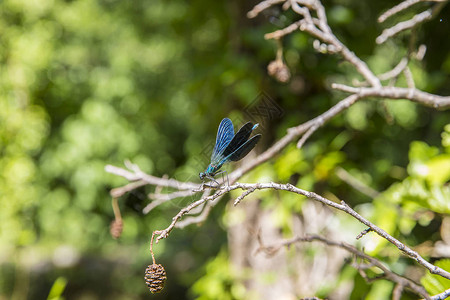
(155, 277)
(115, 229)
(278, 69)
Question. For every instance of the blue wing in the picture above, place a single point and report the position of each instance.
(239, 138)
(225, 134)
(243, 149)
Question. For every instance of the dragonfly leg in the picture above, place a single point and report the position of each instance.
(212, 179)
(223, 179)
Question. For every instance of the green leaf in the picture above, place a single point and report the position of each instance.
(439, 169)
(435, 284)
(57, 289)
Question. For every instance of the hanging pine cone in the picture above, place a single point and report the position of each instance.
(278, 69)
(155, 276)
(116, 228)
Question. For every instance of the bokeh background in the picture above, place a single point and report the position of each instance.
(86, 83)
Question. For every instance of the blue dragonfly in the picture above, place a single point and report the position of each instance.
(230, 146)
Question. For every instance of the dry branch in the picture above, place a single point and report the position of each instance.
(314, 22)
(411, 23)
(391, 92)
(311, 195)
(373, 262)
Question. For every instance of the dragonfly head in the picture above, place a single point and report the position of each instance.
(209, 173)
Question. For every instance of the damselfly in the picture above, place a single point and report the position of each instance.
(230, 146)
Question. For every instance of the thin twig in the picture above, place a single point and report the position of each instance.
(415, 95)
(282, 32)
(242, 196)
(159, 188)
(396, 9)
(116, 209)
(411, 23)
(405, 25)
(441, 296)
(409, 78)
(307, 134)
(356, 184)
(165, 233)
(395, 72)
(398, 291)
(120, 191)
(363, 233)
(402, 6)
(262, 6)
(151, 246)
(137, 174)
(116, 226)
(172, 195)
(208, 206)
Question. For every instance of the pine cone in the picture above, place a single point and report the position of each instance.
(155, 277)
(116, 228)
(279, 71)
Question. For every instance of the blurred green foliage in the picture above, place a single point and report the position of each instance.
(219, 282)
(57, 289)
(93, 82)
(436, 284)
(424, 190)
